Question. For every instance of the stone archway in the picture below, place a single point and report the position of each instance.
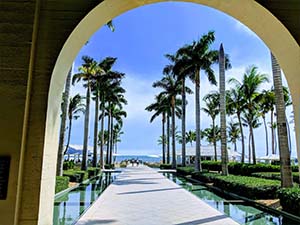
(34, 155)
(249, 12)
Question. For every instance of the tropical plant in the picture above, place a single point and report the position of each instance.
(285, 161)
(86, 73)
(194, 58)
(212, 134)
(64, 109)
(171, 88)
(252, 80)
(212, 109)
(190, 137)
(75, 108)
(234, 133)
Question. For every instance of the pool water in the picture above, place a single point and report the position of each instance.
(69, 206)
(239, 210)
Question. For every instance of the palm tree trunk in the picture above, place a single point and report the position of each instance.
(289, 134)
(173, 134)
(102, 136)
(272, 132)
(96, 130)
(86, 129)
(285, 161)
(214, 140)
(223, 112)
(253, 146)
(69, 136)
(163, 138)
(198, 137)
(64, 109)
(242, 137)
(249, 146)
(168, 139)
(183, 123)
(235, 146)
(108, 136)
(267, 138)
(111, 139)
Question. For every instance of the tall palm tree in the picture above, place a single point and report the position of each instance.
(235, 106)
(252, 80)
(75, 107)
(171, 88)
(266, 102)
(160, 107)
(285, 161)
(177, 68)
(223, 111)
(211, 134)
(86, 73)
(198, 56)
(64, 109)
(234, 133)
(98, 83)
(212, 109)
(190, 137)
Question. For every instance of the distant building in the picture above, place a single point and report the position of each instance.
(207, 153)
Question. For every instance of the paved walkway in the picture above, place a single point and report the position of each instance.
(142, 196)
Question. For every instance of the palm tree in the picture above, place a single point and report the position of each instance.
(223, 111)
(234, 133)
(75, 107)
(197, 57)
(266, 101)
(252, 80)
(160, 106)
(98, 83)
(86, 72)
(211, 134)
(285, 161)
(235, 106)
(177, 68)
(171, 88)
(190, 137)
(64, 108)
(212, 109)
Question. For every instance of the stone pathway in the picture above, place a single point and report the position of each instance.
(142, 196)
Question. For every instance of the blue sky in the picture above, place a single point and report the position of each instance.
(142, 36)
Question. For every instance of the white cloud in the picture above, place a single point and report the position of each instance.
(244, 29)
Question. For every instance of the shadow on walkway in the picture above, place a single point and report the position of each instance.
(146, 191)
(203, 221)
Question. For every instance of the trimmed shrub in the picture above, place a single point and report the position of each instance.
(185, 170)
(275, 176)
(67, 165)
(290, 200)
(109, 166)
(152, 165)
(250, 187)
(61, 184)
(165, 166)
(93, 171)
(76, 175)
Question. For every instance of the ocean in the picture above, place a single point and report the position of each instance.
(144, 158)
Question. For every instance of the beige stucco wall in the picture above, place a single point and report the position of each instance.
(35, 199)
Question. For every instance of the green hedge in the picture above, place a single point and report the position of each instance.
(109, 166)
(250, 187)
(62, 183)
(93, 171)
(275, 176)
(185, 170)
(290, 200)
(68, 165)
(165, 166)
(76, 175)
(242, 168)
(123, 164)
(152, 165)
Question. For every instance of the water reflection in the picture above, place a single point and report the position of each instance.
(70, 206)
(238, 210)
